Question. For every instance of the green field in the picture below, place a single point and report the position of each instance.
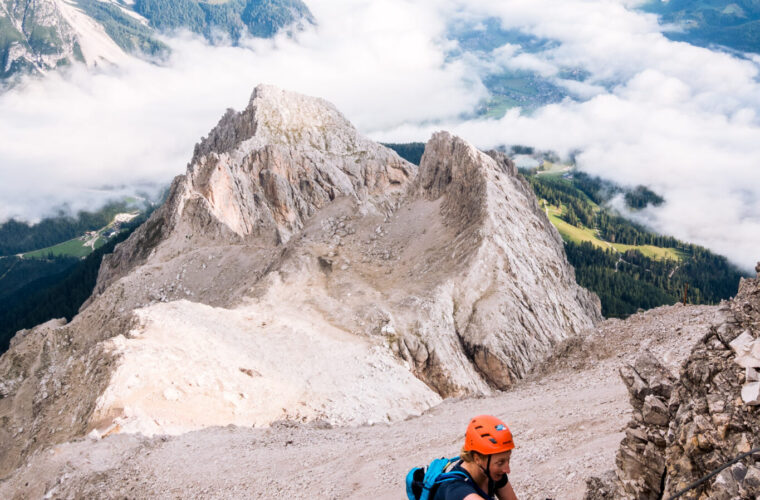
(72, 248)
(581, 234)
(628, 266)
(497, 106)
(553, 169)
(75, 247)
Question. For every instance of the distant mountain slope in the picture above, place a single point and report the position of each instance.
(20, 237)
(48, 269)
(261, 18)
(41, 290)
(34, 36)
(37, 36)
(734, 24)
(628, 266)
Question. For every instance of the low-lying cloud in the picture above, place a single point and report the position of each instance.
(65, 137)
(678, 118)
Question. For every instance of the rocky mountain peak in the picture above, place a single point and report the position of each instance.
(260, 173)
(278, 117)
(300, 271)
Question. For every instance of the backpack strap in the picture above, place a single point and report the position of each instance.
(451, 476)
(423, 481)
(436, 475)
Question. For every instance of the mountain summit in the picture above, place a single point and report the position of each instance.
(300, 271)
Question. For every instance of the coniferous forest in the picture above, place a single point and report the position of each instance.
(17, 237)
(63, 285)
(627, 280)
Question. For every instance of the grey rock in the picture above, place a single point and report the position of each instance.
(470, 270)
(751, 482)
(641, 458)
(725, 486)
(654, 411)
(707, 420)
(602, 488)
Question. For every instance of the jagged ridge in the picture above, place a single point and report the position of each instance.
(300, 271)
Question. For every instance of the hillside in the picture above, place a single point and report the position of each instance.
(35, 289)
(732, 23)
(19, 237)
(48, 269)
(628, 266)
(567, 420)
(41, 36)
(235, 18)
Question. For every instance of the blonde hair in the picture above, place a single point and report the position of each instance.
(469, 455)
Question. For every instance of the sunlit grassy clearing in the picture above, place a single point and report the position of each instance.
(552, 169)
(72, 248)
(581, 234)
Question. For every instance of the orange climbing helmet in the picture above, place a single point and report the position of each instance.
(488, 435)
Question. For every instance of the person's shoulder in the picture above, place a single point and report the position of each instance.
(455, 489)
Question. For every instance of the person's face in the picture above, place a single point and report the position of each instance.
(500, 465)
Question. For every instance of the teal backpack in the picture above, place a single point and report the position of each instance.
(421, 482)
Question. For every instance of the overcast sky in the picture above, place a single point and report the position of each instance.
(680, 119)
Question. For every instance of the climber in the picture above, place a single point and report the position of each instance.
(484, 462)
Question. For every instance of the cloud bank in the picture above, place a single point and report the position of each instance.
(680, 119)
(72, 137)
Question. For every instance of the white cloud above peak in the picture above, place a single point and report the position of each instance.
(678, 118)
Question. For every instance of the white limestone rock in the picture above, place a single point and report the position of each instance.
(751, 393)
(747, 349)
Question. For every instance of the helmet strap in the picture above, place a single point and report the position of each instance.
(487, 471)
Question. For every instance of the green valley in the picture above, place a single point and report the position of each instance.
(627, 265)
(53, 282)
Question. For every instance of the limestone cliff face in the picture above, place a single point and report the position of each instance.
(300, 271)
(511, 291)
(261, 173)
(685, 428)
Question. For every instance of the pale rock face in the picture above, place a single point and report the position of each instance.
(516, 295)
(68, 29)
(262, 172)
(245, 364)
(300, 271)
(98, 49)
